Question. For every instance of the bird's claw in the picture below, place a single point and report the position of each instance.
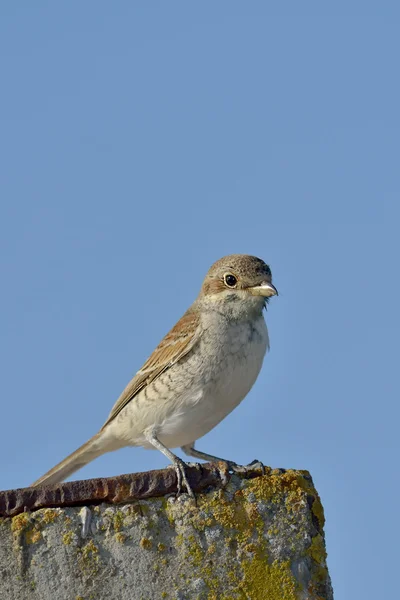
(245, 469)
(181, 477)
(257, 464)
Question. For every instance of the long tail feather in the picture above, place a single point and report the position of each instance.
(82, 456)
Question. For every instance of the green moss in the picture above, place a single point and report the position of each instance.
(120, 537)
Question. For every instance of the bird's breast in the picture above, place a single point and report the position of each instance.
(235, 361)
(216, 376)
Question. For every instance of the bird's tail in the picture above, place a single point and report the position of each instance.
(93, 448)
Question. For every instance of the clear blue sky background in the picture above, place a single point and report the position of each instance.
(142, 141)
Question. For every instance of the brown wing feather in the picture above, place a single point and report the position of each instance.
(176, 344)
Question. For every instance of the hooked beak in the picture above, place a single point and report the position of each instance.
(265, 289)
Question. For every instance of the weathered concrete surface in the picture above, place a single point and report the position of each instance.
(257, 538)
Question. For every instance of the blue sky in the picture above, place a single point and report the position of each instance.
(139, 143)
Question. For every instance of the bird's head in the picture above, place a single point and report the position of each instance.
(238, 282)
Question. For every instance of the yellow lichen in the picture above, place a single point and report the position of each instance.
(275, 484)
(49, 515)
(244, 533)
(317, 549)
(118, 520)
(294, 487)
(229, 522)
(67, 538)
(318, 510)
(22, 528)
(195, 552)
(20, 522)
(250, 547)
(32, 525)
(139, 508)
(32, 536)
(89, 550)
(211, 549)
(146, 544)
(256, 578)
(261, 580)
(318, 554)
(89, 559)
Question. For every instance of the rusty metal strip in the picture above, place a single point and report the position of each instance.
(115, 490)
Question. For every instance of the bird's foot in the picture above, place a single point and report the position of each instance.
(245, 469)
(181, 477)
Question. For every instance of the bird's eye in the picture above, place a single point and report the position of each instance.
(230, 280)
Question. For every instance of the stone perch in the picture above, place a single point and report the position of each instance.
(256, 536)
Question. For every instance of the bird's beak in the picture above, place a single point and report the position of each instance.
(264, 289)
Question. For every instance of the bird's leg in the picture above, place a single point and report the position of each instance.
(176, 461)
(190, 450)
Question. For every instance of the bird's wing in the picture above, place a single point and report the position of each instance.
(174, 346)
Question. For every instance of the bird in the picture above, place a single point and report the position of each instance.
(201, 370)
